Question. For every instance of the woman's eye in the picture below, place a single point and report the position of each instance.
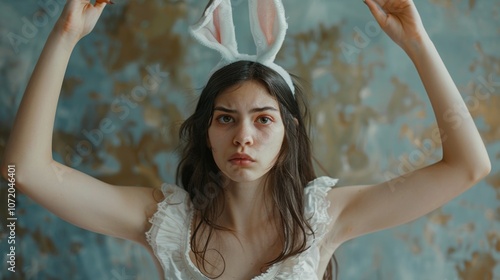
(264, 120)
(224, 119)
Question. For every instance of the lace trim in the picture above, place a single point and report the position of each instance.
(169, 235)
(169, 230)
(316, 204)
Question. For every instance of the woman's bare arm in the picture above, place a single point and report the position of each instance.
(358, 210)
(68, 193)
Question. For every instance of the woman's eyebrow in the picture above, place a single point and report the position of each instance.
(261, 109)
(223, 109)
(253, 110)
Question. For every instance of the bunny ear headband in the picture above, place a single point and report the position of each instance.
(268, 25)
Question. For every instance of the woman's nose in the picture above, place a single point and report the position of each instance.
(243, 135)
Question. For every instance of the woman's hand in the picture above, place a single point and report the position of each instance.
(79, 17)
(400, 20)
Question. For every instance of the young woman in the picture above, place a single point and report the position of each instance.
(250, 205)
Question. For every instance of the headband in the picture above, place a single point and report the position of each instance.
(268, 24)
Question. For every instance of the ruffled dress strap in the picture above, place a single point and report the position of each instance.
(316, 205)
(169, 230)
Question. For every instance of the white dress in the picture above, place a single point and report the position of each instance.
(171, 229)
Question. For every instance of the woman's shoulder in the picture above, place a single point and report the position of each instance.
(174, 207)
(169, 230)
(173, 194)
(316, 203)
(170, 222)
(323, 183)
(316, 190)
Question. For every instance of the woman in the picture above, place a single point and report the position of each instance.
(249, 206)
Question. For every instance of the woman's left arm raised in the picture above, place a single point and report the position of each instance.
(358, 210)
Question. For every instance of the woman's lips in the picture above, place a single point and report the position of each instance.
(241, 159)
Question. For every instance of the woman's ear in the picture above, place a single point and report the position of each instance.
(296, 122)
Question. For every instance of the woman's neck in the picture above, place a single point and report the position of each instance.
(247, 206)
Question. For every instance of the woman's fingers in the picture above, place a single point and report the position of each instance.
(80, 16)
(381, 3)
(376, 11)
(399, 19)
(99, 2)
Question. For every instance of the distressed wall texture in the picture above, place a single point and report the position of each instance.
(371, 122)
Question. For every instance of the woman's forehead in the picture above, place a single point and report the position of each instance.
(248, 93)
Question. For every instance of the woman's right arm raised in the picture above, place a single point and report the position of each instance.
(75, 197)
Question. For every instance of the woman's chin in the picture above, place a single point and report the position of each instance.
(244, 176)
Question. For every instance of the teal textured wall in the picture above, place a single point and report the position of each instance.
(371, 122)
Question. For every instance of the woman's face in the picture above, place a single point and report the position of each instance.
(246, 132)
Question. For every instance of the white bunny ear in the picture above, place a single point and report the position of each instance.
(268, 25)
(216, 29)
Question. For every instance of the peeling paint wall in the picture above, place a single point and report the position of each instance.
(371, 122)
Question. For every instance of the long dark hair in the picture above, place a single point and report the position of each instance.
(201, 178)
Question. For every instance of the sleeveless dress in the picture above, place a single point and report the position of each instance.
(171, 229)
